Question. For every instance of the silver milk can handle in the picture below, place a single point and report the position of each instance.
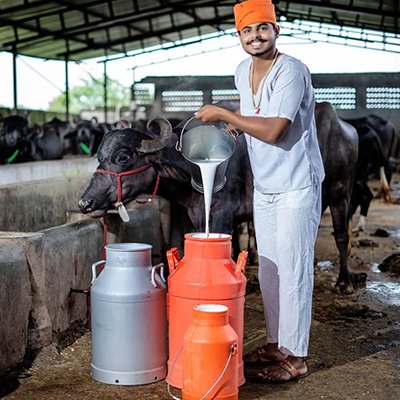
(94, 269)
(153, 274)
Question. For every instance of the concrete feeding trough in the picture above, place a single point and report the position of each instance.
(47, 248)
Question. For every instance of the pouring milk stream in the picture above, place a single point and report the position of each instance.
(208, 169)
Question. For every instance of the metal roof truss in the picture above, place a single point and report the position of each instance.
(82, 29)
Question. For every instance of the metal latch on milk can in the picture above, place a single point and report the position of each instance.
(173, 258)
(241, 262)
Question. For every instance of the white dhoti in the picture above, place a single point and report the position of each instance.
(286, 228)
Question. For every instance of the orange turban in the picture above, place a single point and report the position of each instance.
(252, 11)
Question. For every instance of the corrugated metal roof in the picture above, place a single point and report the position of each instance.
(82, 29)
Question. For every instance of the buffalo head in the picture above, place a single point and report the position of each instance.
(13, 129)
(124, 156)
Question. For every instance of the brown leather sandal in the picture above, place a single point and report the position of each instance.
(259, 356)
(294, 373)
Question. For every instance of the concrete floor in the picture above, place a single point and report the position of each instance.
(66, 375)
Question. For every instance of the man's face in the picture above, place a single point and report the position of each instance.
(258, 39)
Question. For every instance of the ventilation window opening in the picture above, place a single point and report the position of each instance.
(380, 97)
(182, 100)
(224, 95)
(144, 93)
(342, 98)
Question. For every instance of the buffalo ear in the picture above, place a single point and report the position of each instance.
(158, 143)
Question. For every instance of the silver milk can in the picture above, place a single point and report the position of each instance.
(128, 317)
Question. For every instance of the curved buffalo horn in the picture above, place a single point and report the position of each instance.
(153, 145)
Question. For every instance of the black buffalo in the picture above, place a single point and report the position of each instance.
(22, 142)
(388, 137)
(63, 129)
(46, 144)
(373, 155)
(125, 150)
(86, 136)
(15, 140)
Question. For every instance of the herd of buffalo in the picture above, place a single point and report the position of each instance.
(137, 158)
(21, 141)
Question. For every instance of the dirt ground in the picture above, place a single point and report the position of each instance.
(355, 339)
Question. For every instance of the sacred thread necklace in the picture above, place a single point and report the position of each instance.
(257, 107)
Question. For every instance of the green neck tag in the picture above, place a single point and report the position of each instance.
(12, 157)
(85, 148)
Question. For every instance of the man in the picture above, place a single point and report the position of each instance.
(277, 115)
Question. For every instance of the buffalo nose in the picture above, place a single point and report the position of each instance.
(85, 205)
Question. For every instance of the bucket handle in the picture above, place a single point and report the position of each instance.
(153, 274)
(94, 269)
(178, 145)
(232, 352)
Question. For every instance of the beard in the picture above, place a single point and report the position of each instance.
(257, 53)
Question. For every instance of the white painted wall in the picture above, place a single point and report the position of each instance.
(32, 171)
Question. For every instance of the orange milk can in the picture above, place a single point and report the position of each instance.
(206, 274)
(210, 355)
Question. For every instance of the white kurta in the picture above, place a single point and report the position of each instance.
(294, 162)
(287, 200)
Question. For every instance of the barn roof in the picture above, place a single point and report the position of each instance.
(82, 29)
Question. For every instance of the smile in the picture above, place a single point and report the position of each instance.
(257, 44)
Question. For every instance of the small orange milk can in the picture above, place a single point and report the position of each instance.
(210, 355)
(205, 275)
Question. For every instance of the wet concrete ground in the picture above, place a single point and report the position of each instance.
(354, 346)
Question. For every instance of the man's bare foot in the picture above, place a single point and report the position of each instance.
(288, 369)
(265, 354)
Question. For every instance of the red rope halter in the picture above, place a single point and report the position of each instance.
(130, 172)
(119, 192)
